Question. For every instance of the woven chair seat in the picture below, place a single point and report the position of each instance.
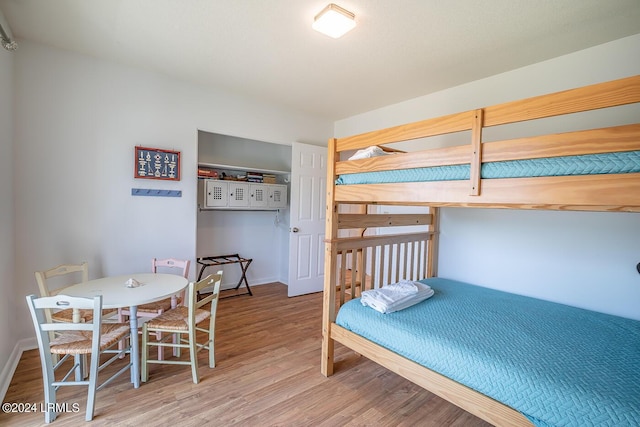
(177, 319)
(86, 316)
(79, 342)
(154, 307)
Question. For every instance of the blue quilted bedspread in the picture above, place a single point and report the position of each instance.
(557, 365)
(590, 164)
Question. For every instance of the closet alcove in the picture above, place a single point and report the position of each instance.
(256, 233)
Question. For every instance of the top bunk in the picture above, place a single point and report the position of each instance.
(587, 169)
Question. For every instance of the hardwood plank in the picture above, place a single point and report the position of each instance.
(267, 372)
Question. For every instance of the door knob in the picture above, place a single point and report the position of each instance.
(295, 229)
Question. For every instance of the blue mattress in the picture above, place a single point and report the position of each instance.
(557, 365)
(589, 164)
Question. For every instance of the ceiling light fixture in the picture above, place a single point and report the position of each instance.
(334, 21)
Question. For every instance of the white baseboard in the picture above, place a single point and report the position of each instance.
(254, 282)
(10, 367)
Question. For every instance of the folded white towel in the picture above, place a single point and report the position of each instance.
(396, 296)
(411, 301)
(405, 286)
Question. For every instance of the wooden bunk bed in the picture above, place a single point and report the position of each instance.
(354, 264)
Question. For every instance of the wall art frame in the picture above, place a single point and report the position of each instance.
(157, 163)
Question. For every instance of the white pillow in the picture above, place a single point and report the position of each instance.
(368, 152)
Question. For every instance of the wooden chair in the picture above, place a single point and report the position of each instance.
(53, 281)
(74, 339)
(157, 308)
(68, 274)
(184, 320)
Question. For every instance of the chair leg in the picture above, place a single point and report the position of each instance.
(93, 384)
(49, 396)
(159, 338)
(177, 339)
(160, 348)
(193, 357)
(176, 350)
(121, 344)
(212, 353)
(80, 360)
(85, 366)
(144, 376)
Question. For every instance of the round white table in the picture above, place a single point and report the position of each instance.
(116, 294)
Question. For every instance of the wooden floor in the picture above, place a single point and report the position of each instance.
(267, 374)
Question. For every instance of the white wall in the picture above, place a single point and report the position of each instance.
(260, 235)
(77, 120)
(8, 287)
(585, 259)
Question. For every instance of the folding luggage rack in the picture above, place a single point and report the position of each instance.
(212, 261)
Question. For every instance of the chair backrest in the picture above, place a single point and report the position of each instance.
(53, 281)
(212, 280)
(158, 265)
(45, 282)
(44, 328)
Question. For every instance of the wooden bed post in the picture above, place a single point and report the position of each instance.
(432, 244)
(476, 152)
(330, 256)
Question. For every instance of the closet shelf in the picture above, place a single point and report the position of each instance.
(242, 168)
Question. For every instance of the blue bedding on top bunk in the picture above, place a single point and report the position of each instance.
(558, 365)
(589, 164)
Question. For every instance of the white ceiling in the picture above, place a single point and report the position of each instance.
(266, 49)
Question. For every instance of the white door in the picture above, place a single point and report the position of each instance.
(306, 231)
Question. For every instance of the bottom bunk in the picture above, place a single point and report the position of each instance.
(509, 359)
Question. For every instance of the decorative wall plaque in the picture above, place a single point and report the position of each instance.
(155, 163)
